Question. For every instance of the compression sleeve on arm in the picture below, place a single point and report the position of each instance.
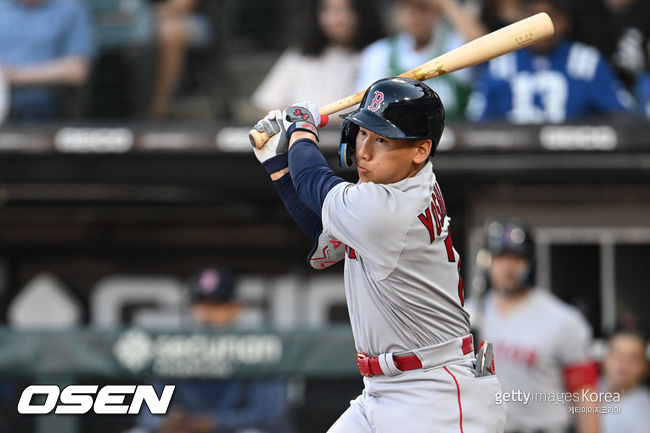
(308, 221)
(311, 175)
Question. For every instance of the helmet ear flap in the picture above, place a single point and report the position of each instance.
(347, 144)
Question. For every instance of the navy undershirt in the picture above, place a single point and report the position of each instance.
(312, 177)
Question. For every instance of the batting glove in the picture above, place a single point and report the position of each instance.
(302, 116)
(484, 360)
(273, 155)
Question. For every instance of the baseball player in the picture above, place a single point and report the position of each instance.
(541, 343)
(402, 282)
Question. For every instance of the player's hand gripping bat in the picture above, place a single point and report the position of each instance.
(505, 40)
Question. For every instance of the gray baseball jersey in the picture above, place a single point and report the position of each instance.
(401, 271)
(533, 345)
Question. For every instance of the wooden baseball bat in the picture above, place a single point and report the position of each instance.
(510, 38)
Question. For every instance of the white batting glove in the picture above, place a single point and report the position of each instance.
(302, 116)
(273, 155)
(273, 126)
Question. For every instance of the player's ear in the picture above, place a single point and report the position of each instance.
(422, 150)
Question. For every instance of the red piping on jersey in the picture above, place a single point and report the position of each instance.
(460, 406)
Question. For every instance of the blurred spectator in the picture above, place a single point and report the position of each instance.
(220, 405)
(541, 345)
(121, 78)
(643, 92)
(620, 30)
(324, 64)
(499, 13)
(422, 35)
(44, 44)
(179, 25)
(4, 97)
(554, 81)
(625, 369)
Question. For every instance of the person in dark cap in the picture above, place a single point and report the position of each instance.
(212, 294)
(223, 406)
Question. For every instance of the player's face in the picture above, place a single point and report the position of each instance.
(507, 273)
(386, 160)
(211, 314)
(625, 364)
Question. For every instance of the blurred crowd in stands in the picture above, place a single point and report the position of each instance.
(104, 60)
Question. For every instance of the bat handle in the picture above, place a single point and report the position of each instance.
(259, 139)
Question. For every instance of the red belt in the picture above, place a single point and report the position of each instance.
(369, 365)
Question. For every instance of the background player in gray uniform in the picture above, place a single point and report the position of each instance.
(541, 344)
(402, 279)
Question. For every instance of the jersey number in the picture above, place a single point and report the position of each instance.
(540, 97)
(452, 258)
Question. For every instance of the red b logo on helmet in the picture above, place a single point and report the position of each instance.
(377, 98)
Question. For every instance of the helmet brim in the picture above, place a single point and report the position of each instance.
(375, 123)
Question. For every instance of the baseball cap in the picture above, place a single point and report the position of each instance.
(212, 285)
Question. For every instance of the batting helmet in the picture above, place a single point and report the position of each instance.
(510, 236)
(400, 108)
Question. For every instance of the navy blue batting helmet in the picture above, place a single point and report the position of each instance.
(398, 108)
(510, 236)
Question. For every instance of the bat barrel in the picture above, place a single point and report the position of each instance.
(510, 38)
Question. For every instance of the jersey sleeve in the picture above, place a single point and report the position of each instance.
(367, 217)
(573, 351)
(574, 342)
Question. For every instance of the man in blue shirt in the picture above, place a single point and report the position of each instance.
(43, 43)
(554, 81)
